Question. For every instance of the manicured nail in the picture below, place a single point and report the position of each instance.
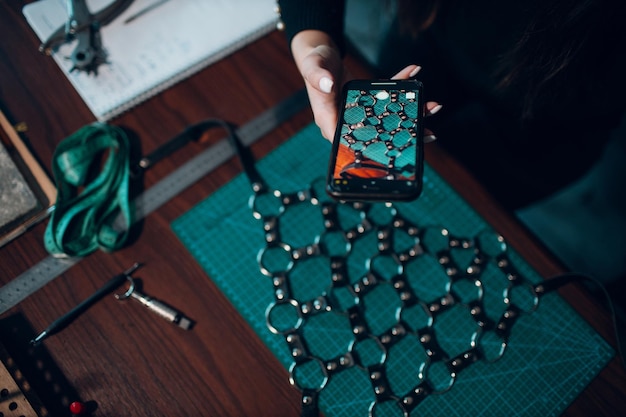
(415, 71)
(326, 84)
(430, 138)
(434, 109)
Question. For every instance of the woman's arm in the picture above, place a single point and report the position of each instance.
(315, 32)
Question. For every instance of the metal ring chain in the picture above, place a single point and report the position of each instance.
(487, 248)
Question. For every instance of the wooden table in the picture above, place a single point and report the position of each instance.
(130, 363)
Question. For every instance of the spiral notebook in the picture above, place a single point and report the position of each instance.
(153, 44)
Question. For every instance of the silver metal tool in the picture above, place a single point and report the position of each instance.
(84, 27)
(166, 311)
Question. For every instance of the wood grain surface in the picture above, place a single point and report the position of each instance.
(125, 360)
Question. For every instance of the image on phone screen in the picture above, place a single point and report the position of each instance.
(377, 147)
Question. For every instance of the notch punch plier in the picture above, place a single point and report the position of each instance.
(84, 27)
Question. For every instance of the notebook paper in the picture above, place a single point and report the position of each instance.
(156, 49)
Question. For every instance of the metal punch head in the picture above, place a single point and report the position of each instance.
(131, 288)
(162, 309)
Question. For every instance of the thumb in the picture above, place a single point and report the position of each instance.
(320, 79)
(322, 68)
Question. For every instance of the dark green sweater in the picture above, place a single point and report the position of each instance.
(518, 159)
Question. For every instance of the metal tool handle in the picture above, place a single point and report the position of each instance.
(167, 312)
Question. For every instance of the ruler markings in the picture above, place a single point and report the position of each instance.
(154, 197)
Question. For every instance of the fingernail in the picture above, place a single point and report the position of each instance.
(326, 84)
(430, 138)
(415, 71)
(435, 109)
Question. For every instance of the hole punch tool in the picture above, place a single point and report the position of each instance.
(157, 306)
(66, 319)
(84, 27)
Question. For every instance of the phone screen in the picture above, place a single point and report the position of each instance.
(377, 149)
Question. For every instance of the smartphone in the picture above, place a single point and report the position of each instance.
(378, 148)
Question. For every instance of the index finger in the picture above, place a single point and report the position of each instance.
(407, 72)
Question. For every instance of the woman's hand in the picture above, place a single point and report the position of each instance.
(321, 66)
(430, 107)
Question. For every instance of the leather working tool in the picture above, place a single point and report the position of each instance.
(84, 27)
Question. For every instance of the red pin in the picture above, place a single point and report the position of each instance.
(77, 408)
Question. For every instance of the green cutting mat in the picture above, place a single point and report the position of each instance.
(552, 355)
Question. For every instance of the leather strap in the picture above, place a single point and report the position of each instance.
(244, 154)
(91, 170)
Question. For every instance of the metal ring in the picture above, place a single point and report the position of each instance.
(531, 288)
(397, 401)
(295, 365)
(324, 238)
(451, 382)
(477, 338)
(253, 200)
(261, 256)
(358, 362)
(129, 291)
(318, 191)
(371, 261)
(336, 299)
(477, 283)
(481, 240)
(273, 305)
(403, 310)
(390, 210)
(434, 239)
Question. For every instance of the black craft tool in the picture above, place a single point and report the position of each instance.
(63, 321)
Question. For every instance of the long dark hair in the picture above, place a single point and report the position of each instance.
(563, 36)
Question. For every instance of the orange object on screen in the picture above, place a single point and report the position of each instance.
(345, 157)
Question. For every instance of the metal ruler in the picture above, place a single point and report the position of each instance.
(49, 268)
